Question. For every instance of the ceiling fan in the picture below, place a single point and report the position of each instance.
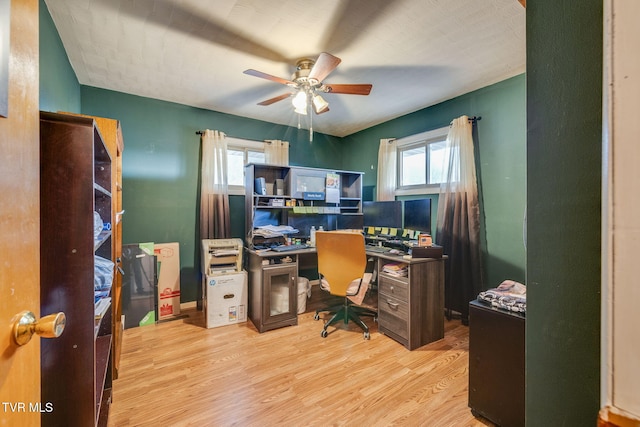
(307, 82)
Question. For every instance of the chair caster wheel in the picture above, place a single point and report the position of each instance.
(367, 336)
(323, 334)
(316, 317)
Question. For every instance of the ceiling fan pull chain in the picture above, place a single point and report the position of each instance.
(310, 123)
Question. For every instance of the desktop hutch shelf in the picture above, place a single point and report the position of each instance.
(301, 197)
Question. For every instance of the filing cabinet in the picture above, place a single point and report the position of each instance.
(411, 308)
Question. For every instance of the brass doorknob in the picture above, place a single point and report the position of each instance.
(25, 325)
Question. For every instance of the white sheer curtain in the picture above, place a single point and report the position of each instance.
(458, 225)
(387, 166)
(214, 194)
(276, 152)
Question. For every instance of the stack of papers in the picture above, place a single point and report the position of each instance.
(224, 252)
(274, 230)
(396, 269)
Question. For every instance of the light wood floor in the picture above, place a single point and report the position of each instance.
(179, 373)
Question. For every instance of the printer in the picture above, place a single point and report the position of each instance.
(224, 282)
(221, 256)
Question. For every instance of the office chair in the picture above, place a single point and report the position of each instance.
(342, 263)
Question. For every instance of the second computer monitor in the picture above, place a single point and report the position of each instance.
(417, 215)
(382, 214)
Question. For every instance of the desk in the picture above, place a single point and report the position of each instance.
(410, 309)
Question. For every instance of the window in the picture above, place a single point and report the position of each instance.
(420, 160)
(241, 152)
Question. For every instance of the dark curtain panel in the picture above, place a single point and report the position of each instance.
(458, 230)
(215, 222)
(460, 239)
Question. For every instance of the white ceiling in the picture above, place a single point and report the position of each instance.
(415, 53)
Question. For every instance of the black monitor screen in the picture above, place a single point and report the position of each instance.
(350, 222)
(417, 215)
(382, 214)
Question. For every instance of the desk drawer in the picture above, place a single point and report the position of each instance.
(396, 288)
(393, 315)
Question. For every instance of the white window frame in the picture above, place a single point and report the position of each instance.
(244, 145)
(422, 139)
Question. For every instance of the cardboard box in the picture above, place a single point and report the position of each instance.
(226, 299)
(168, 255)
(425, 240)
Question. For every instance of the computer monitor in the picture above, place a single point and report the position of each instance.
(417, 215)
(350, 222)
(382, 214)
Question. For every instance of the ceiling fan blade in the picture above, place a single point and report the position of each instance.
(275, 99)
(339, 35)
(262, 75)
(324, 65)
(193, 21)
(350, 89)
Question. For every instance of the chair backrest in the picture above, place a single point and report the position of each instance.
(341, 258)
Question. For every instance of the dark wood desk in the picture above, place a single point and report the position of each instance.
(410, 309)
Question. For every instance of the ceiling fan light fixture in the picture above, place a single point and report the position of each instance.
(307, 82)
(319, 104)
(299, 102)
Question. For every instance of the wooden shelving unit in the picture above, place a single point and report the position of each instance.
(111, 132)
(75, 181)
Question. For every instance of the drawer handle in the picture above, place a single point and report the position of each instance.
(393, 305)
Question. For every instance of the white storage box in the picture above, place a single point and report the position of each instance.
(304, 292)
(226, 299)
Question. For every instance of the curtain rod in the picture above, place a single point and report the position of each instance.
(471, 119)
(201, 132)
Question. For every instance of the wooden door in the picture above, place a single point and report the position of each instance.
(20, 220)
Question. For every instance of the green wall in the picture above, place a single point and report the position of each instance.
(161, 167)
(564, 155)
(500, 138)
(59, 87)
